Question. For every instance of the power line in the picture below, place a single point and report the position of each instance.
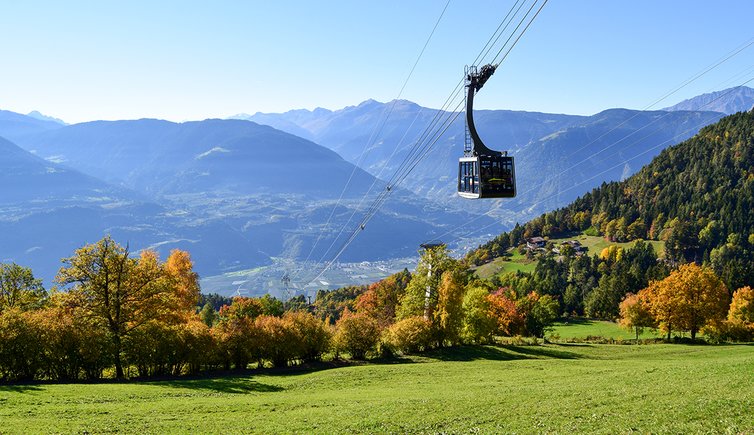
(703, 72)
(696, 127)
(423, 147)
(374, 135)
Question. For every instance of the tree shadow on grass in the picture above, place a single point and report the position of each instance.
(499, 353)
(472, 353)
(544, 352)
(229, 385)
(19, 388)
(578, 321)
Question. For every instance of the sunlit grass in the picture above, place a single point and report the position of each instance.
(550, 388)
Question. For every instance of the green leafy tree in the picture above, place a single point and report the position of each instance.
(19, 289)
(478, 324)
(208, 315)
(542, 313)
(432, 264)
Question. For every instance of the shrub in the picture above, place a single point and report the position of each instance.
(197, 345)
(73, 345)
(410, 335)
(356, 334)
(21, 350)
(152, 348)
(278, 341)
(314, 337)
(236, 341)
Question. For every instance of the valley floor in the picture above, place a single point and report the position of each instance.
(548, 388)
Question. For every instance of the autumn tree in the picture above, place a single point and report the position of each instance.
(179, 269)
(447, 318)
(503, 309)
(357, 334)
(278, 341)
(412, 334)
(634, 314)
(121, 293)
(242, 307)
(381, 299)
(21, 350)
(313, 335)
(742, 307)
(688, 299)
(19, 289)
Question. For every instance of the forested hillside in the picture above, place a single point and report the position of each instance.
(697, 197)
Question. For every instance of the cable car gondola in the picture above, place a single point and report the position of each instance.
(482, 172)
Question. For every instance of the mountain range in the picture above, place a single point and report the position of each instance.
(558, 156)
(234, 193)
(727, 101)
(239, 195)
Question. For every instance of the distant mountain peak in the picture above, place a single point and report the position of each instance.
(728, 101)
(37, 115)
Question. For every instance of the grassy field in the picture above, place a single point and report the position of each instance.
(506, 264)
(534, 389)
(517, 262)
(583, 328)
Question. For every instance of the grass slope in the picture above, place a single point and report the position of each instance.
(551, 388)
(583, 328)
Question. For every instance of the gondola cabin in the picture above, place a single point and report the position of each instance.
(482, 172)
(486, 177)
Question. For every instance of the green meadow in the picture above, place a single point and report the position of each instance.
(664, 388)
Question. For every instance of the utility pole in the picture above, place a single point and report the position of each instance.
(286, 280)
(429, 248)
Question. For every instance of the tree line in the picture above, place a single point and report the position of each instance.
(118, 315)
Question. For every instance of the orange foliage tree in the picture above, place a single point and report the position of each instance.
(382, 298)
(690, 298)
(505, 312)
(122, 293)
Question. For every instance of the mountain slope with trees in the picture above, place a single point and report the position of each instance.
(696, 196)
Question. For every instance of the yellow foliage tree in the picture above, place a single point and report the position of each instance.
(634, 314)
(742, 306)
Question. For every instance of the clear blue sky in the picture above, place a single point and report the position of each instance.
(181, 60)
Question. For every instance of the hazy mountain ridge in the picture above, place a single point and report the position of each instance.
(543, 144)
(241, 192)
(727, 101)
(48, 210)
(14, 126)
(42, 117)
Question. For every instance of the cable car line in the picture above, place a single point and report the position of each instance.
(688, 81)
(423, 149)
(714, 65)
(368, 144)
(522, 207)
